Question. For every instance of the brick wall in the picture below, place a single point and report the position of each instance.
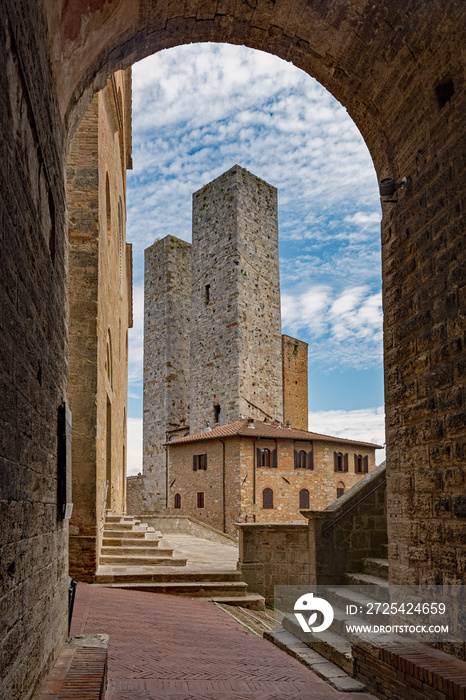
(295, 386)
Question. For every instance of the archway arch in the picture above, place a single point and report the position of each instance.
(398, 69)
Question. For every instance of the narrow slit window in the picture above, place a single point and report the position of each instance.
(207, 293)
(200, 499)
(177, 503)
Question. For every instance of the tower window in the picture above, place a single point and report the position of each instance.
(200, 499)
(217, 413)
(207, 293)
(177, 503)
(267, 499)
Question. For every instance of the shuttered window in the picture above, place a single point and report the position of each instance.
(267, 498)
(303, 459)
(266, 458)
(200, 499)
(177, 503)
(340, 461)
(199, 462)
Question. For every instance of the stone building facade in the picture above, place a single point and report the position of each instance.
(100, 304)
(410, 109)
(251, 471)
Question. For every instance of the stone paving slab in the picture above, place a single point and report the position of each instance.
(174, 648)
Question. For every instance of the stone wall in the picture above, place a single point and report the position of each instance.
(273, 554)
(295, 383)
(33, 355)
(100, 314)
(351, 529)
(244, 481)
(235, 321)
(167, 309)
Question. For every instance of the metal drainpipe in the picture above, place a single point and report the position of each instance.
(224, 506)
(166, 471)
(254, 472)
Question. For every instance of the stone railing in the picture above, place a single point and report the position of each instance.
(334, 541)
(352, 528)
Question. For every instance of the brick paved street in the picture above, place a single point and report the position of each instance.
(173, 648)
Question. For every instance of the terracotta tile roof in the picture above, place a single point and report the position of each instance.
(240, 429)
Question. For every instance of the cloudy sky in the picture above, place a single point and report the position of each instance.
(198, 110)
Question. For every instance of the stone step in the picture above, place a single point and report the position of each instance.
(121, 527)
(121, 519)
(192, 589)
(376, 567)
(151, 551)
(173, 576)
(342, 596)
(137, 542)
(135, 560)
(320, 665)
(330, 645)
(377, 587)
(253, 601)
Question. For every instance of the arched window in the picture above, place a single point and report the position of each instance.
(267, 498)
(108, 205)
(120, 243)
(304, 499)
(265, 458)
(301, 459)
(340, 461)
(361, 464)
(177, 503)
(340, 489)
(109, 359)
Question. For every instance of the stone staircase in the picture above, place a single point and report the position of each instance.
(128, 542)
(136, 556)
(369, 585)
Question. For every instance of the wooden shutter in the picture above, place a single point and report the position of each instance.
(345, 462)
(366, 464)
(267, 498)
(274, 459)
(356, 464)
(335, 461)
(310, 460)
(296, 459)
(200, 499)
(205, 461)
(195, 463)
(304, 499)
(258, 458)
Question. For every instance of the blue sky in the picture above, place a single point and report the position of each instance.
(198, 110)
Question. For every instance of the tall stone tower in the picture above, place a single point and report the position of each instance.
(295, 400)
(236, 361)
(167, 306)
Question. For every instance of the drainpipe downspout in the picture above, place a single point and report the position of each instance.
(166, 471)
(224, 487)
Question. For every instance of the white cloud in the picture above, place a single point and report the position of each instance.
(134, 463)
(343, 330)
(367, 425)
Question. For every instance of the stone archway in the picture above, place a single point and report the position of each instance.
(398, 68)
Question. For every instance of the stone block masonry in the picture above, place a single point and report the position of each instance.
(295, 399)
(235, 318)
(167, 307)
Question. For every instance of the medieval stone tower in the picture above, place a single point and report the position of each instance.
(235, 319)
(212, 329)
(167, 309)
